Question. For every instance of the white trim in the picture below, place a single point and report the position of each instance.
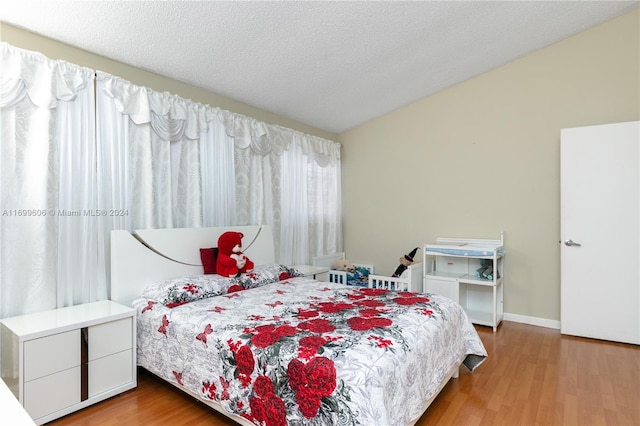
(540, 322)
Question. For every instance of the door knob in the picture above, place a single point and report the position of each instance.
(570, 243)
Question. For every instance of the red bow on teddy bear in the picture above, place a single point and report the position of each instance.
(231, 261)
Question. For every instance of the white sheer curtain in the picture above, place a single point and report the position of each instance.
(149, 158)
(292, 181)
(256, 172)
(73, 170)
(311, 207)
(176, 163)
(218, 176)
(48, 238)
(149, 142)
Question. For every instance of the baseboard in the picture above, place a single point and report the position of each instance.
(540, 322)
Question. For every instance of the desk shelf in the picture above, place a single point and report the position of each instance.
(457, 274)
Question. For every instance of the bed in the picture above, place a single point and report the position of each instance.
(275, 348)
(364, 275)
(359, 277)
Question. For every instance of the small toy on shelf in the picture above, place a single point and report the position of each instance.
(485, 271)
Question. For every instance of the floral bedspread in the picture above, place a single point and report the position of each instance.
(301, 351)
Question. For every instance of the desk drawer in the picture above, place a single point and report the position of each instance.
(444, 287)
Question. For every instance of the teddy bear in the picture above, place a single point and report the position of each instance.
(405, 262)
(231, 262)
(343, 265)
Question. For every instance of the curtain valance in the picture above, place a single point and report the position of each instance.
(27, 73)
(265, 139)
(173, 117)
(169, 115)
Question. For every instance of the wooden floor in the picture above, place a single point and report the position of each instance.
(533, 376)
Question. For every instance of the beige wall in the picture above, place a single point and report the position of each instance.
(483, 156)
(55, 50)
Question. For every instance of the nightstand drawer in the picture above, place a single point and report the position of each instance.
(110, 372)
(51, 393)
(50, 354)
(110, 338)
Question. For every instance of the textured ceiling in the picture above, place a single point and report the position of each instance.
(331, 65)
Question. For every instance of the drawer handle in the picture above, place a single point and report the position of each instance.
(84, 363)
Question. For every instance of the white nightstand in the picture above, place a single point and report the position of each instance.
(11, 408)
(59, 361)
(310, 270)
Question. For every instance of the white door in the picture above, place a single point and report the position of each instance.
(600, 232)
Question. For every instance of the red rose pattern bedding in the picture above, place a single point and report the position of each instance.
(301, 351)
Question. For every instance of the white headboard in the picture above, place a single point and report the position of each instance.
(148, 255)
